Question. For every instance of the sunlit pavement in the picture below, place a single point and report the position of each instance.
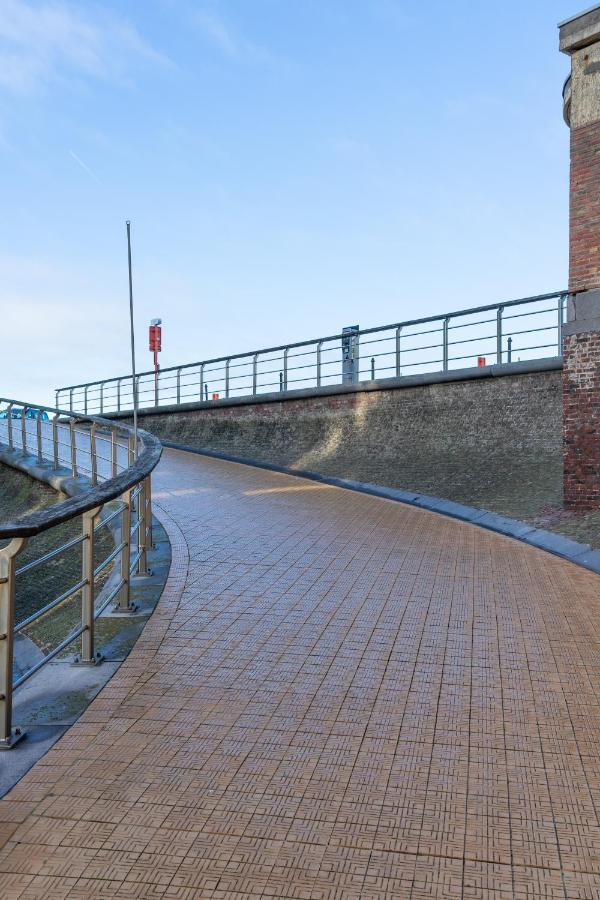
(338, 697)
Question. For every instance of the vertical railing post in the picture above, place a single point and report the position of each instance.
(70, 399)
(101, 397)
(156, 376)
(40, 455)
(561, 301)
(85, 400)
(93, 454)
(285, 368)
(55, 439)
(202, 382)
(88, 655)
(56, 396)
(499, 312)
(10, 425)
(372, 368)
(123, 602)
(114, 447)
(148, 513)
(254, 373)
(8, 736)
(118, 395)
(227, 377)
(24, 429)
(445, 343)
(142, 532)
(73, 438)
(319, 345)
(398, 337)
(178, 386)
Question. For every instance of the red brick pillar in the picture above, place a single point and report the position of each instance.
(580, 38)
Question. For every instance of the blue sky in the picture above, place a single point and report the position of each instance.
(289, 167)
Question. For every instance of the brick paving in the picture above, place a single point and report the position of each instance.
(337, 697)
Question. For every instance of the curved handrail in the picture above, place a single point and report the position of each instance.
(40, 445)
(147, 457)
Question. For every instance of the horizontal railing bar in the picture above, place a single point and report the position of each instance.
(533, 312)
(136, 526)
(108, 519)
(50, 606)
(110, 597)
(112, 555)
(514, 350)
(134, 561)
(51, 554)
(62, 646)
(530, 331)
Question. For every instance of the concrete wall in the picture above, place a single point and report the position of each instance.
(489, 441)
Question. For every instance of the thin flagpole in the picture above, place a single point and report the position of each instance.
(132, 332)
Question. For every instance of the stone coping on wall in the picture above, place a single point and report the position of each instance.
(580, 554)
(473, 373)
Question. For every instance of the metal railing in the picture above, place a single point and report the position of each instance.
(115, 496)
(524, 329)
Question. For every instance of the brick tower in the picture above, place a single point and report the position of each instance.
(580, 39)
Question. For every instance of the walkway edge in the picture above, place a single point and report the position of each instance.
(581, 554)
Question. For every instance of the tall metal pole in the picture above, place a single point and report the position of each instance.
(132, 332)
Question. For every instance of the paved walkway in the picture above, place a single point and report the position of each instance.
(337, 697)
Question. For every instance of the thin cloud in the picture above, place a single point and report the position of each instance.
(229, 41)
(218, 33)
(52, 41)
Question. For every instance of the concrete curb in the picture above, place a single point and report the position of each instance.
(580, 554)
(60, 479)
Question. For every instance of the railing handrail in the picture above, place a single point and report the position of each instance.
(361, 331)
(34, 523)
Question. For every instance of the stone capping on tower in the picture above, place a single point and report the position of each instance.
(576, 33)
(580, 95)
(580, 30)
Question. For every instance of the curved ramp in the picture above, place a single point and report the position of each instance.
(338, 696)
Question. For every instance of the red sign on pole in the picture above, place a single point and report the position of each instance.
(155, 338)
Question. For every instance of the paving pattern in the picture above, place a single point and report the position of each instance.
(338, 696)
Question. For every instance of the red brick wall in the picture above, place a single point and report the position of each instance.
(581, 373)
(581, 420)
(584, 263)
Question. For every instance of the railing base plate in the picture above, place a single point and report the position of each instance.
(16, 735)
(127, 611)
(96, 661)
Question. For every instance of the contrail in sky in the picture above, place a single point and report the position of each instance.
(84, 167)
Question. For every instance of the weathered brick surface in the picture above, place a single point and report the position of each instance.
(581, 410)
(494, 442)
(584, 263)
